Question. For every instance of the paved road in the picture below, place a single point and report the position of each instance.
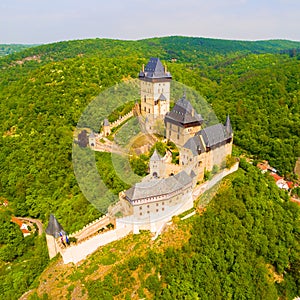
(38, 223)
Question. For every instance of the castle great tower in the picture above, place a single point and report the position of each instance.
(155, 90)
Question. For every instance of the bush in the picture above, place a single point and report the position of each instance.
(230, 161)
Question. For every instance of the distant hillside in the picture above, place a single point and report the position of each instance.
(178, 47)
(6, 49)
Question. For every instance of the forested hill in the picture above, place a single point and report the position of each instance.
(6, 49)
(178, 47)
(44, 90)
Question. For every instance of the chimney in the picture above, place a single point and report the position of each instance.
(143, 68)
(165, 68)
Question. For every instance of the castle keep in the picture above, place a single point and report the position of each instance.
(155, 92)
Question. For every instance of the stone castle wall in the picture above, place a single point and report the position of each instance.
(76, 253)
(92, 228)
(121, 120)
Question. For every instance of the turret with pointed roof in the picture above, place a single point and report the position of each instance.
(155, 156)
(228, 127)
(54, 228)
(106, 127)
(156, 165)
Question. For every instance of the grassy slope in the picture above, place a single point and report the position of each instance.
(63, 281)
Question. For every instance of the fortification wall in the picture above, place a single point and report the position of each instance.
(121, 120)
(76, 253)
(92, 227)
(209, 184)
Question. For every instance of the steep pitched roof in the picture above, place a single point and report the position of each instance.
(183, 113)
(195, 145)
(155, 156)
(158, 187)
(213, 135)
(162, 97)
(154, 69)
(228, 127)
(54, 228)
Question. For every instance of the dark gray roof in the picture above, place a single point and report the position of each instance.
(162, 97)
(155, 156)
(154, 69)
(195, 145)
(106, 122)
(183, 113)
(228, 127)
(193, 174)
(158, 187)
(213, 135)
(54, 228)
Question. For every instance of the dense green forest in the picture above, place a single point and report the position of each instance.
(21, 259)
(45, 89)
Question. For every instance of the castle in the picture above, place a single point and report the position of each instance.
(161, 195)
(168, 189)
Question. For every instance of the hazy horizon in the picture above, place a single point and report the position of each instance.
(36, 22)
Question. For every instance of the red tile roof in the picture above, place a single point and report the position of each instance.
(16, 221)
(276, 176)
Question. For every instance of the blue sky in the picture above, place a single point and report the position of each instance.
(41, 21)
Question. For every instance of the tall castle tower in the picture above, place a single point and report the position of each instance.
(155, 90)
